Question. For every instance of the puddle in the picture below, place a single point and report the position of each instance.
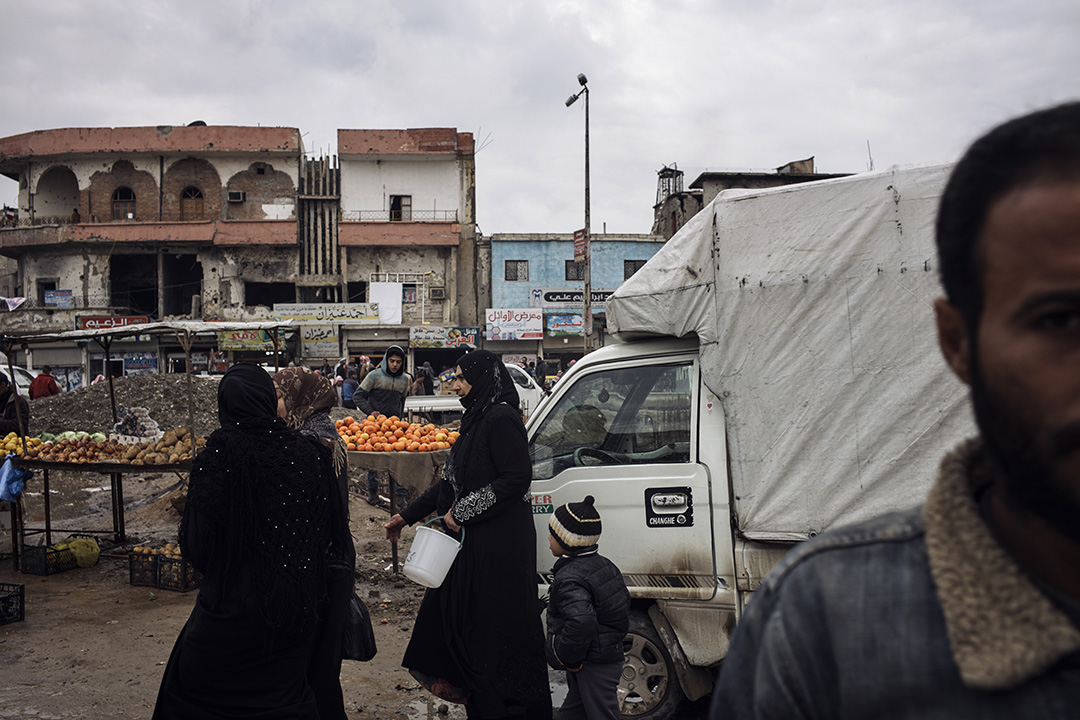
(428, 708)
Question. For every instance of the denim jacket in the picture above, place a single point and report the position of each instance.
(916, 614)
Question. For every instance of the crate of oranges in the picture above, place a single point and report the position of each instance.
(378, 433)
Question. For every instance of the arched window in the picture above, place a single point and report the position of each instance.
(123, 204)
(191, 203)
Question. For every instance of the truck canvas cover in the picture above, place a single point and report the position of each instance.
(813, 306)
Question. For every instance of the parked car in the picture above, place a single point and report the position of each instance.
(23, 377)
(442, 409)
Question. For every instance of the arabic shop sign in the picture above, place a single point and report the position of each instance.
(427, 336)
(562, 325)
(319, 341)
(565, 297)
(518, 324)
(245, 340)
(320, 314)
(108, 322)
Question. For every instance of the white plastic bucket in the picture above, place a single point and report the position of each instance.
(430, 557)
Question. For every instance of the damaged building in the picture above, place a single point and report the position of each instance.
(121, 225)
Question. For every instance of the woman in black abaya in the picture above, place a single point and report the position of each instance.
(304, 401)
(478, 638)
(256, 526)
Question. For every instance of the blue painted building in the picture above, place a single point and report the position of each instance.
(537, 272)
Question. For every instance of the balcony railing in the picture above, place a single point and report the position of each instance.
(440, 216)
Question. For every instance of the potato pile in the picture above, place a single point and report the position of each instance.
(171, 550)
(173, 447)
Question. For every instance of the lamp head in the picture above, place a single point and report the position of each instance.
(571, 100)
(582, 79)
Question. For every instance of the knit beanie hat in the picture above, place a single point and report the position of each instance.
(576, 526)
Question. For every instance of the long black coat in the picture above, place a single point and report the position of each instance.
(481, 630)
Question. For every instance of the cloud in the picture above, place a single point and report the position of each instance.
(706, 84)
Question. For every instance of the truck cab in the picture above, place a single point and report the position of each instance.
(633, 425)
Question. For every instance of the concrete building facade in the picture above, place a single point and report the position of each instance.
(236, 223)
(536, 291)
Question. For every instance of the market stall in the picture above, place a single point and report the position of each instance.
(185, 332)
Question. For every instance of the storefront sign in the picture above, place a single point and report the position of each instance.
(427, 336)
(518, 324)
(245, 340)
(139, 364)
(319, 314)
(108, 322)
(59, 298)
(562, 325)
(319, 341)
(566, 297)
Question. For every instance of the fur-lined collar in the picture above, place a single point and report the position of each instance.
(1002, 629)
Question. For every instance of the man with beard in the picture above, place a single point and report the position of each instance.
(969, 606)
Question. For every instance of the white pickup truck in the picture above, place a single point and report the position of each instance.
(777, 374)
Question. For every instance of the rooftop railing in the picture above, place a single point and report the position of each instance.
(441, 216)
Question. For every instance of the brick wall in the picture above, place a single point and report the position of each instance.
(265, 189)
(98, 196)
(191, 172)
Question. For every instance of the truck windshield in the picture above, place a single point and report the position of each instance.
(628, 415)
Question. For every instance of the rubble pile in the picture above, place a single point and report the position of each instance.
(164, 395)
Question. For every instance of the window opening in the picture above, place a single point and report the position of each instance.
(631, 415)
(632, 266)
(400, 208)
(43, 286)
(191, 204)
(517, 270)
(123, 204)
(575, 271)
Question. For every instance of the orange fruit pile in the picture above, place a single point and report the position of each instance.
(378, 433)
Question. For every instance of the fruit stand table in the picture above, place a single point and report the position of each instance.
(416, 471)
(114, 470)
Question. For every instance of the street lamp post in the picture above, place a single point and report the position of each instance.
(586, 298)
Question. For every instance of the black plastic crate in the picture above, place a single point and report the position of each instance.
(12, 603)
(46, 560)
(177, 574)
(142, 569)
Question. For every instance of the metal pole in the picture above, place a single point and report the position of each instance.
(587, 319)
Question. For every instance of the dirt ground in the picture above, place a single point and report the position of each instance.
(93, 646)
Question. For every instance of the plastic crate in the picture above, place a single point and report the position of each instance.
(12, 603)
(46, 560)
(177, 574)
(142, 569)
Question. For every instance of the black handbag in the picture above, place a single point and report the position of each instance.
(359, 641)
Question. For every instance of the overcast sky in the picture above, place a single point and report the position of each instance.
(706, 84)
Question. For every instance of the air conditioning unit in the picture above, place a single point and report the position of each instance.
(237, 196)
(438, 293)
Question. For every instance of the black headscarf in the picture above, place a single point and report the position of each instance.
(245, 392)
(491, 384)
(262, 493)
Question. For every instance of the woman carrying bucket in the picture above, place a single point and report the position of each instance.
(478, 637)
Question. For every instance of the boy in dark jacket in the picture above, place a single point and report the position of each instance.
(588, 615)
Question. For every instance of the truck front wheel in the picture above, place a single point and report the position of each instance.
(649, 687)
